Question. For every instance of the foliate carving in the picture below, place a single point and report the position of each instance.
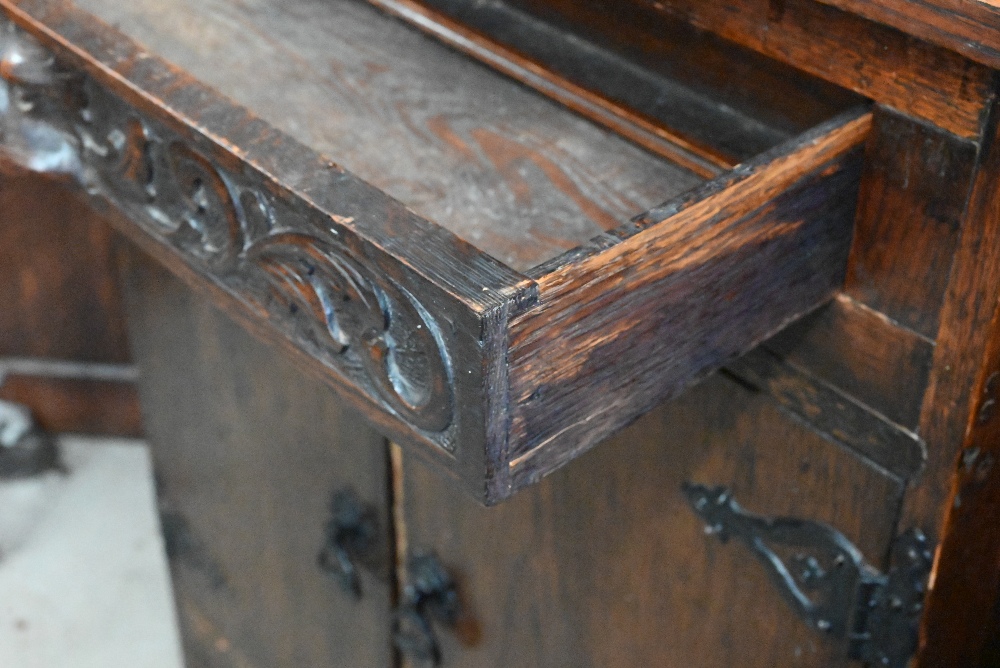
(273, 252)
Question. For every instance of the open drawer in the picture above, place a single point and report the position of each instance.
(493, 280)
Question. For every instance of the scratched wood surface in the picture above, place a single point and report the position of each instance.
(248, 453)
(659, 82)
(500, 166)
(638, 320)
(605, 564)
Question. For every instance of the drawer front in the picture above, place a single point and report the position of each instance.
(488, 372)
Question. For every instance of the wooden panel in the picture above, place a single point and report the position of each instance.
(963, 610)
(657, 82)
(951, 424)
(825, 408)
(501, 167)
(914, 188)
(248, 453)
(879, 62)
(864, 354)
(78, 405)
(971, 27)
(605, 564)
(58, 297)
(625, 326)
(973, 291)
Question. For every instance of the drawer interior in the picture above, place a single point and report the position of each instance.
(517, 175)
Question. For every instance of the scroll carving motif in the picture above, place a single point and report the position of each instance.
(272, 253)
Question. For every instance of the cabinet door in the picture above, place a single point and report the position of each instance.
(605, 564)
(248, 452)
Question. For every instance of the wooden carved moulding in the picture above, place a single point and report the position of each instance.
(269, 251)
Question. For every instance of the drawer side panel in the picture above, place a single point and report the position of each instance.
(623, 328)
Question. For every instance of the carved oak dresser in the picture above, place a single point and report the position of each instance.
(526, 332)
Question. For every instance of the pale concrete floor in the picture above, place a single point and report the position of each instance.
(84, 581)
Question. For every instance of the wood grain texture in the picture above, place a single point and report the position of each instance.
(958, 379)
(963, 610)
(643, 318)
(970, 27)
(830, 411)
(914, 188)
(498, 165)
(302, 252)
(885, 64)
(864, 354)
(248, 453)
(660, 83)
(970, 299)
(58, 296)
(605, 564)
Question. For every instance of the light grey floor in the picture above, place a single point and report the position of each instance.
(83, 575)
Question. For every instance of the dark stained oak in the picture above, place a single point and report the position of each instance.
(642, 318)
(443, 346)
(885, 64)
(605, 564)
(501, 167)
(914, 188)
(864, 354)
(248, 453)
(58, 297)
(971, 295)
(658, 82)
(970, 27)
(954, 424)
(78, 405)
(830, 411)
(963, 614)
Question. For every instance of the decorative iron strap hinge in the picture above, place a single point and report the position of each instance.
(825, 578)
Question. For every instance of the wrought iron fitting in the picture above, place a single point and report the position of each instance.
(826, 579)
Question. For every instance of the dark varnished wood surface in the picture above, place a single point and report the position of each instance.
(963, 615)
(973, 290)
(58, 296)
(971, 27)
(604, 564)
(951, 423)
(75, 404)
(914, 188)
(497, 165)
(882, 63)
(248, 453)
(641, 319)
(408, 320)
(863, 353)
(63, 349)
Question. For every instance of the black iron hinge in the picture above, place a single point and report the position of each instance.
(825, 578)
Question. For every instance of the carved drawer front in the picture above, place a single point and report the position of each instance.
(493, 280)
